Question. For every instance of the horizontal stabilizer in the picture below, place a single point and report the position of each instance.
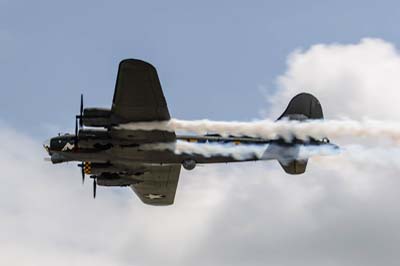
(294, 167)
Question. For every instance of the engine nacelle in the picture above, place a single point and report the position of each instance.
(96, 117)
(97, 134)
(114, 179)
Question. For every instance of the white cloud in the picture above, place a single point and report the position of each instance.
(340, 212)
(252, 213)
(48, 217)
(358, 209)
(356, 80)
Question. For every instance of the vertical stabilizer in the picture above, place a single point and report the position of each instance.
(303, 106)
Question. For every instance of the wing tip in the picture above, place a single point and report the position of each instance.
(131, 62)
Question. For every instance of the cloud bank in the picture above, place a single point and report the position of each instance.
(355, 80)
(341, 212)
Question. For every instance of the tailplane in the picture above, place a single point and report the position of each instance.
(294, 167)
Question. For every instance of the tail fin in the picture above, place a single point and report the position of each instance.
(302, 107)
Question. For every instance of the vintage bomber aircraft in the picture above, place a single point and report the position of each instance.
(113, 157)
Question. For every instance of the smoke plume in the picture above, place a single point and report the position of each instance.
(275, 129)
(245, 151)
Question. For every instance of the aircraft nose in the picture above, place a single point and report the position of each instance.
(46, 145)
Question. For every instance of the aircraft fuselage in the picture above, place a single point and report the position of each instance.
(99, 150)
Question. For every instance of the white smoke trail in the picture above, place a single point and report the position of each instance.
(268, 129)
(309, 151)
(373, 161)
(385, 157)
(238, 152)
(372, 156)
(274, 129)
(244, 152)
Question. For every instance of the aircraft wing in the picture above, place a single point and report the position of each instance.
(138, 96)
(158, 185)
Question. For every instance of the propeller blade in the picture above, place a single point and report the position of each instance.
(83, 174)
(81, 165)
(76, 134)
(76, 127)
(94, 188)
(81, 112)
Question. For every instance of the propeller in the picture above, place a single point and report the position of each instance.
(80, 125)
(83, 175)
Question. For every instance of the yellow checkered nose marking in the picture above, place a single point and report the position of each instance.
(87, 168)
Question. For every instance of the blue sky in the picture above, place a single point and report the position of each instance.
(212, 56)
